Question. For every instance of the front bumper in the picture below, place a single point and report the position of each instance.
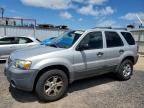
(21, 79)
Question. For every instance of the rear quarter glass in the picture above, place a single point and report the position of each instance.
(128, 37)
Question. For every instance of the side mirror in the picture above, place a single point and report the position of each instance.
(82, 47)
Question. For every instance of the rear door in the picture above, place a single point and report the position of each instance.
(114, 49)
(7, 45)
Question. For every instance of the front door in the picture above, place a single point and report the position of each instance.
(89, 57)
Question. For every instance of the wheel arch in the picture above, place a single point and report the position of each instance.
(45, 69)
(131, 58)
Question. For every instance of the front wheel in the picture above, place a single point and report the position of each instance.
(125, 70)
(52, 85)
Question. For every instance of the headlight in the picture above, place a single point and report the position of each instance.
(23, 64)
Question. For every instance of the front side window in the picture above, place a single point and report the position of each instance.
(92, 40)
(7, 40)
(23, 40)
(113, 39)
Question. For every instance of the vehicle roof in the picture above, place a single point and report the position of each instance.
(104, 29)
(29, 36)
(100, 29)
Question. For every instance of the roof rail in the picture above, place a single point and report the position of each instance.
(103, 27)
(110, 28)
(120, 28)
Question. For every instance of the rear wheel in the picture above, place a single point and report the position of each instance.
(125, 70)
(52, 85)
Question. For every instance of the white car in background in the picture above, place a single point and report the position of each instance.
(8, 44)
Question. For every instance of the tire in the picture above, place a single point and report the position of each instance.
(52, 85)
(124, 73)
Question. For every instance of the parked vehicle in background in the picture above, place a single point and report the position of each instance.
(47, 41)
(8, 44)
(78, 54)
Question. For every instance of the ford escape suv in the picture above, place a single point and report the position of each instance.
(77, 54)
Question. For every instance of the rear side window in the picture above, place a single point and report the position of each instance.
(113, 39)
(128, 37)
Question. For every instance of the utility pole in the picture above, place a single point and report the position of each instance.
(2, 12)
(2, 17)
(34, 27)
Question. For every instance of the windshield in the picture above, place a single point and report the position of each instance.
(66, 40)
(47, 41)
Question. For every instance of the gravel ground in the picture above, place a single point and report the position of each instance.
(98, 92)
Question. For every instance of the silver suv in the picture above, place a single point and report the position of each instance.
(77, 54)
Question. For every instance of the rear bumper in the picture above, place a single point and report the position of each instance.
(21, 79)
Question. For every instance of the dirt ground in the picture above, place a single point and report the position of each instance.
(140, 64)
(98, 92)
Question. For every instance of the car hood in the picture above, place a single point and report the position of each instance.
(33, 51)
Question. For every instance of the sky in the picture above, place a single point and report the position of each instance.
(77, 14)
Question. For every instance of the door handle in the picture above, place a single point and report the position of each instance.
(121, 51)
(99, 54)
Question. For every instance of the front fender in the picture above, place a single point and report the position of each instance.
(54, 61)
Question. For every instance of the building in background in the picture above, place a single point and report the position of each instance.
(138, 34)
(23, 26)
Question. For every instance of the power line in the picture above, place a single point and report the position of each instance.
(139, 19)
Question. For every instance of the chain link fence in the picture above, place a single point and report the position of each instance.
(41, 34)
(20, 26)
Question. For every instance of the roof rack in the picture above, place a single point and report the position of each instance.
(110, 28)
(103, 27)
